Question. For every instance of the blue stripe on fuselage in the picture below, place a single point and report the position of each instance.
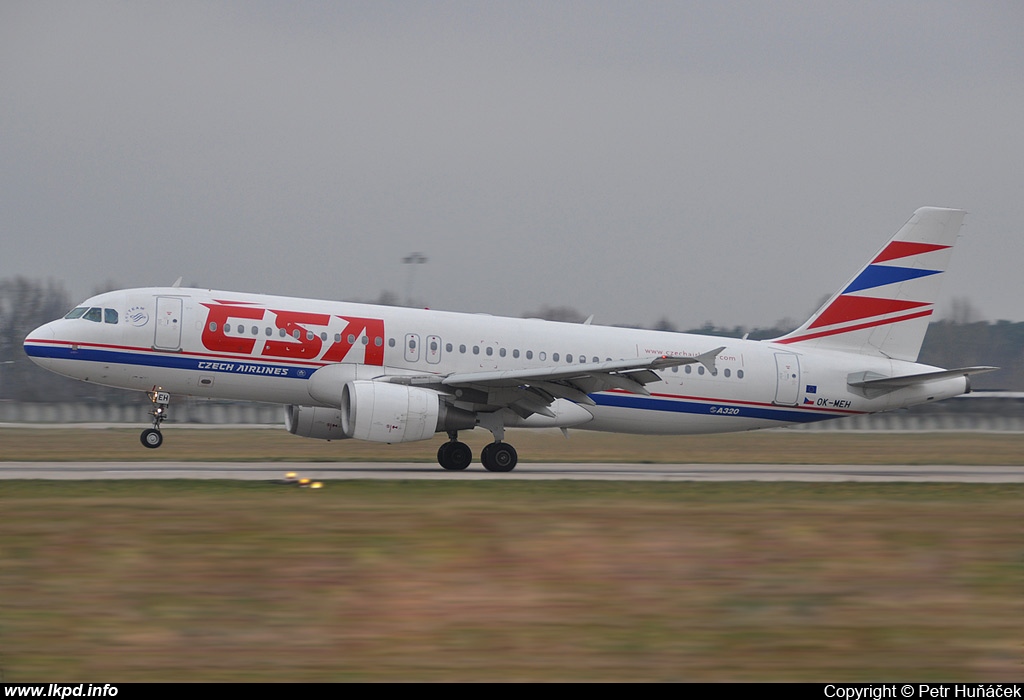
(651, 403)
(118, 357)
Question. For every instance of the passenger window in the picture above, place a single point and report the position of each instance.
(502, 352)
(555, 357)
(476, 349)
(227, 327)
(727, 373)
(213, 326)
(109, 316)
(378, 341)
(462, 349)
(700, 369)
(270, 331)
(490, 351)
(688, 369)
(391, 342)
(542, 356)
(515, 353)
(739, 374)
(568, 358)
(529, 354)
(448, 347)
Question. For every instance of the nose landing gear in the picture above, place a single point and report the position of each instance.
(152, 437)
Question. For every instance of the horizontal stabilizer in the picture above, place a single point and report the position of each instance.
(880, 384)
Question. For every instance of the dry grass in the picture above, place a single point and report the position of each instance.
(766, 447)
(141, 581)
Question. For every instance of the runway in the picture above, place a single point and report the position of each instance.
(323, 471)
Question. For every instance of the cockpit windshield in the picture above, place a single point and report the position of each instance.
(94, 314)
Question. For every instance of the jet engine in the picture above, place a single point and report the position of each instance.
(384, 412)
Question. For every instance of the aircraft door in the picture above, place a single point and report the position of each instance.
(787, 391)
(168, 323)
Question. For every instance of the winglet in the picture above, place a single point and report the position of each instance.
(708, 358)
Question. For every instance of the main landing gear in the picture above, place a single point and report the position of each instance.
(152, 437)
(498, 456)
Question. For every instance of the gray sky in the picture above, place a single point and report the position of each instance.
(721, 161)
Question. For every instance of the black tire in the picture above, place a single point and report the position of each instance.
(151, 438)
(499, 457)
(454, 456)
(459, 456)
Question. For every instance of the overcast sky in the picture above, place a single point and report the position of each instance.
(721, 161)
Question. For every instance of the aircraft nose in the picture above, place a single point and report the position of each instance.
(37, 343)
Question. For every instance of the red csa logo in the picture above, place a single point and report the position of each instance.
(298, 342)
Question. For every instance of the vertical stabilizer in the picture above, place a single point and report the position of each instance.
(884, 310)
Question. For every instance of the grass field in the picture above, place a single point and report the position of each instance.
(482, 581)
(445, 581)
(766, 447)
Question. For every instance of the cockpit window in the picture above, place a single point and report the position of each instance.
(94, 314)
(76, 313)
(109, 315)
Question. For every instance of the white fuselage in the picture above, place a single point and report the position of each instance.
(251, 347)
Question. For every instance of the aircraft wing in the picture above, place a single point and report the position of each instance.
(528, 391)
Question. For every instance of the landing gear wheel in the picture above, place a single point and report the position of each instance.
(454, 455)
(499, 457)
(151, 438)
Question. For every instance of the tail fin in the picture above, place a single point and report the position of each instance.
(884, 309)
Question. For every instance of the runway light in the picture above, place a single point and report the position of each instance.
(303, 482)
(316, 485)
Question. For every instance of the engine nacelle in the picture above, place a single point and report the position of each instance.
(384, 412)
(314, 422)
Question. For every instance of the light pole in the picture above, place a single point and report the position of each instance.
(412, 260)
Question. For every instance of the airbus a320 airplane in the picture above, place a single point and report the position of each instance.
(391, 374)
